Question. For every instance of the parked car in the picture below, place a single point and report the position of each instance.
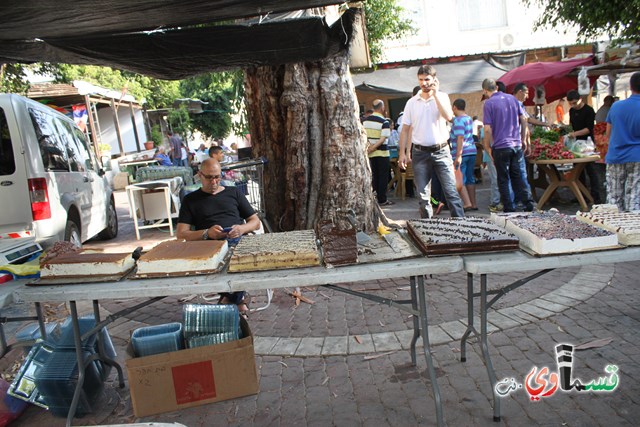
(51, 184)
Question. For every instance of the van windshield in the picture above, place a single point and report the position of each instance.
(7, 162)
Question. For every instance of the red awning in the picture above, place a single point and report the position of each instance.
(552, 75)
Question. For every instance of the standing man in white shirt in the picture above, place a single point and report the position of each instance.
(425, 123)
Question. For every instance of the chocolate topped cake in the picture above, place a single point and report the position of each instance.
(86, 264)
(442, 236)
(339, 246)
(271, 251)
(177, 257)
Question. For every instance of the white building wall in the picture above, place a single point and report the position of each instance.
(466, 27)
(108, 130)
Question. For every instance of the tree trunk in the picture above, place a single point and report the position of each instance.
(304, 118)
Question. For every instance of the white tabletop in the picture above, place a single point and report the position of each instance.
(505, 262)
(226, 282)
(7, 289)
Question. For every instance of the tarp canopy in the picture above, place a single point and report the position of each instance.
(165, 38)
(455, 77)
(554, 76)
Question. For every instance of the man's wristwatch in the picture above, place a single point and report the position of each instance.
(205, 235)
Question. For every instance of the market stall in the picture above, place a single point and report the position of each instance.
(521, 242)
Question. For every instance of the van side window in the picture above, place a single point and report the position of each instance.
(52, 148)
(7, 162)
(89, 158)
(77, 153)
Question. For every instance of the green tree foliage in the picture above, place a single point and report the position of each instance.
(384, 21)
(224, 94)
(614, 19)
(157, 93)
(14, 78)
(180, 121)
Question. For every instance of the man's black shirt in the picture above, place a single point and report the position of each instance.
(582, 118)
(227, 208)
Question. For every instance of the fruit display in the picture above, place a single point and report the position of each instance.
(600, 140)
(548, 145)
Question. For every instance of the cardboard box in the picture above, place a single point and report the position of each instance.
(186, 378)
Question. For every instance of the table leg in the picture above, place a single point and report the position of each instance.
(416, 321)
(43, 329)
(167, 200)
(103, 355)
(134, 211)
(554, 183)
(422, 298)
(578, 189)
(485, 346)
(79, 392)
(470, 327)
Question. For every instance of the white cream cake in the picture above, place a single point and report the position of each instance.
(87, 264)
(625, 224)
(271, 251)
(555, 233)
(180, 257)
(500, 218)
(604, 208)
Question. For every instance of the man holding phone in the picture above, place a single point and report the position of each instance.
(216, 213)
(424, 142)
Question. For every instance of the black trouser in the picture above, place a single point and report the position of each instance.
(380, 167)
(596, 172)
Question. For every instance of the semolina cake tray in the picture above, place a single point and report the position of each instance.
(273, 251)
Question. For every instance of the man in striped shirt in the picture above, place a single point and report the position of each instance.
(378, 132)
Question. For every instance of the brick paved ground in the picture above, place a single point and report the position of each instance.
(349, 389)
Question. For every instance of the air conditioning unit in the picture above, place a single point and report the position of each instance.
(506, 41)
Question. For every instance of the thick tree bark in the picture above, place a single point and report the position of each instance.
(304, 119)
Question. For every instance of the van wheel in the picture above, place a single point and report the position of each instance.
(72, 234)
(112, 223)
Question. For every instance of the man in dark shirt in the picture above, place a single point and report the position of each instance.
(212, 209)
(582, 119)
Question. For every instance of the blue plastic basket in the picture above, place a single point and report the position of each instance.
(56, 383)
(64, 341)
(32, 332)
(157, 339)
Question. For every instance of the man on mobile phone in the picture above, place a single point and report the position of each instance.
(424, 142)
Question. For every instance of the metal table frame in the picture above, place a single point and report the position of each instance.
(155, 289)
(510, 262)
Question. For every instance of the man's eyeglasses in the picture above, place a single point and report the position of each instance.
(210, 177)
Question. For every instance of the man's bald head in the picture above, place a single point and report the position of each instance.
(210, 164)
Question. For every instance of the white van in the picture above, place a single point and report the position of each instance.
(51, 184)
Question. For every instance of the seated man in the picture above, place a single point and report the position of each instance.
(217, 152)
(162, 158)
(210, 210)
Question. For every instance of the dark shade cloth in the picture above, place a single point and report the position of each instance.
(30, 19)
(175, 52)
